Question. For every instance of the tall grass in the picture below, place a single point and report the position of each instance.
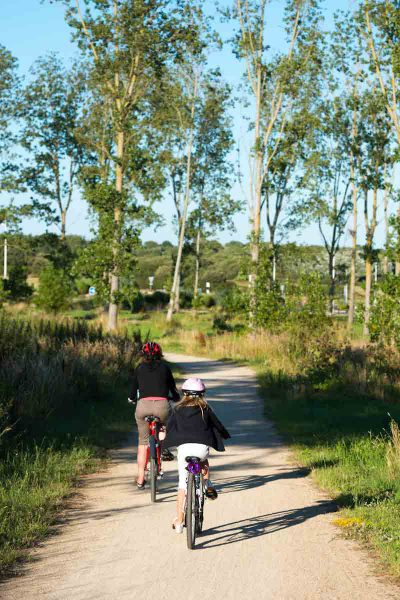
(62, 401)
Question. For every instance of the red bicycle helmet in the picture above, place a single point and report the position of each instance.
(151, 350)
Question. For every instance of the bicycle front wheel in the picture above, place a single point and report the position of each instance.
(191, 512)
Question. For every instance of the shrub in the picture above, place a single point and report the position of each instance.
(384, 325)
(220, 324)
(3, 293)
(17, 285)
(186, 299)
(204, 301)
(82, 285)
(134, 299)
(55, 290)
(157, 299)
(234, 302)
(271, 311)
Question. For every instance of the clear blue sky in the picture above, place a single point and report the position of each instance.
(30, 28)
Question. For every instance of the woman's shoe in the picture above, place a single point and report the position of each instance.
(178, 526)
(140, 486)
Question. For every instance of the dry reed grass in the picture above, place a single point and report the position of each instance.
(393, 452)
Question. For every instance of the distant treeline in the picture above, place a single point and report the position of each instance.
(222, 265)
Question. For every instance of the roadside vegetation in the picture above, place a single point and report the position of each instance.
(62, 405)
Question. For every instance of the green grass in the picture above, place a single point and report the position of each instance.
(153, 325)
(38, 475)
(344, 438)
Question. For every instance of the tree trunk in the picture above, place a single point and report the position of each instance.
(354, 190)
(273, 250)
(352, 291)
(256, 225)
(386, 221)
(331, 268)
(397, 266)
(368, 283)
(63, 224)
(196, 276)
(177, 299)
(175, 283)
(114, 278)
(370, 232)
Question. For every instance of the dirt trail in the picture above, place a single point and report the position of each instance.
(269, 536)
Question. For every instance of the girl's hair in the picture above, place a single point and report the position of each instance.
(193, 400)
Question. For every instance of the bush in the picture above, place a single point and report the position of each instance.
(220, 324)
(271, 311)
(55, 290)
(204, 301)
(384, 325)
(82, 285)
(186, 299)
(235, 302)
(157, 300)
(3, 293)
(133, 300)
(17, 285)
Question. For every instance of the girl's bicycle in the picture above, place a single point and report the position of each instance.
(195, 493)
(153, 458)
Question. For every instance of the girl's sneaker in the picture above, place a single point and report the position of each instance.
(211, 492)
(177, 526)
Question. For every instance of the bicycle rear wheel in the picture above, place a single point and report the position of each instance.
(191, 512)
(153, 470)
(153, 479)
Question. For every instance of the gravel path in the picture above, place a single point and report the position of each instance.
(269, 536)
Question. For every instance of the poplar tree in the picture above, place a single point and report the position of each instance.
(380, 20)
(129, 44)
(270, 78)
(51, 115)
(213, 205)
(9, 98)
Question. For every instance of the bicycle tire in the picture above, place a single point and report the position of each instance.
(200, 519)
(191, 512)
(153, 479)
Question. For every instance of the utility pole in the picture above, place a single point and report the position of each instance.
(5, 263)
(5, 266)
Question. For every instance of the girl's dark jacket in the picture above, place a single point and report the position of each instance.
(188, 425)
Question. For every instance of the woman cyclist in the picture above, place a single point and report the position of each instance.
(193, 427)
(152, 383)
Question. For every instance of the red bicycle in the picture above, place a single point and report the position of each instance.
(153, 457)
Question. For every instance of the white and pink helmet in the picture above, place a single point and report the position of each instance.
(193, 386)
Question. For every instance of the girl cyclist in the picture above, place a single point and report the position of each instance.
(152, 382)
(193, 427)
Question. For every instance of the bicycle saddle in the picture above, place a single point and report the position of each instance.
(193, 459)
(151, 418)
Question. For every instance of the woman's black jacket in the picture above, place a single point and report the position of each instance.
(188, 425)
(153, 378)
